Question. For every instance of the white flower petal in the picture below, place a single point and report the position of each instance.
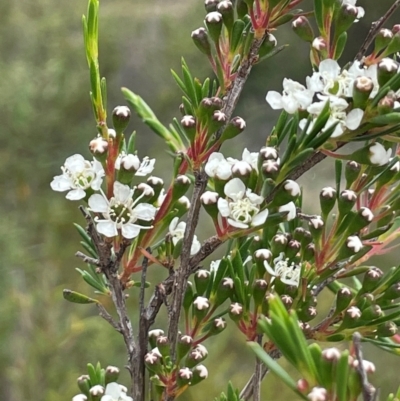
(353, 119)
(130, 231)
(76, 194)
(122, 193)
(235, 189)
(274, 99)
(97, 203)
(60, 183)
(260, 218)
(237, 224)
(107, 228)
(145, 211)
(223, 207)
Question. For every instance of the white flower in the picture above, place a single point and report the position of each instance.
(242, 209)
(290, 208)
(236, 308)
(115, 393)
(132, 162)
(379, 155)
(218, 167)
(78, 176)
(121, 212)
(177, 231)
(289, 274)
(251, 158)
(338, 107)
(294, 96)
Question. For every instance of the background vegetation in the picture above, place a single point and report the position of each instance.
(45, 116)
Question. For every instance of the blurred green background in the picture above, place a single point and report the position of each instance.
(45, 116)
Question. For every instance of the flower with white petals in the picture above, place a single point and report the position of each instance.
(379, 155)
(177, 231)
(121, 212)
(114, 392)
(218, 167)
(294, 96)
(338, 114)
(78, 176)
(251, 158)
(288, 273)
(242, 208)
(290, 208)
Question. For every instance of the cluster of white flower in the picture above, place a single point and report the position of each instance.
(81, 177)
(328, 84)
(241, 207)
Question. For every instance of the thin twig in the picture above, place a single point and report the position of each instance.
(88, 259)
(247, 390)
(138, 386)
(374, 30)
(257, 375)
(368, 391)
(107, 317)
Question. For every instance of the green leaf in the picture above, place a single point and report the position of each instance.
(92, 374)
(236, 35)
(340, 44)
(342, 375)
(77, 298)
(319, 15)
(275, 368)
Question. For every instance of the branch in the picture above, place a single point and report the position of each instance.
(88, 259)
(107, 317)
(138, 385)
(369, 392)
(374, 30)
(247, 391)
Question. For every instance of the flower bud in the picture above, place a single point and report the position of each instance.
(351, 318)
(327, 198)
(189, 125)
(319, 43)
(316, 225)
(196, 356)
(346, 16)
(189, 296)
(84, 384)
(371, 313)
(287, 301)
(235, 127)
(270, 169)
(387, 329)
(393, 292)
(236, 311)
(163, 346)
(121, 116)
(371, 279)
(225, 7)
(211, 5)
(184, 345)
(217, 326)
(96, 392)
(278, 244)
(225, 290)
(200, 39)
(209, 201)
(343, 298)
(382, 39)
(111, 374)
(180, 187)
(201, 305)
(79, 397)
(184, 376)
(361, 219)
(387, 69)
(259, 289)
(99, 148)
(153, 335)
(201, 279)
(346, 201)
(199, 374)
(267, 46)
(352, 171)
(302, 27)
(287, 192)
(153, 361)
(362, 89)
(213, 22)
